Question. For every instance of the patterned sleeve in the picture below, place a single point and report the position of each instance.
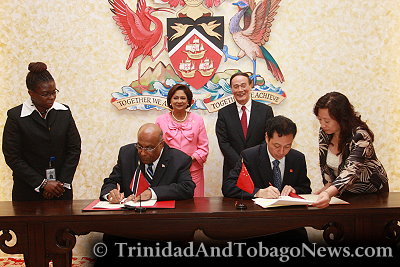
(327, 173)
(354, 169)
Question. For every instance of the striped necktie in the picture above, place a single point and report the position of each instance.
(149, 171)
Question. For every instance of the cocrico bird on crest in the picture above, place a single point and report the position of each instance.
(139, 31)
(255, 33)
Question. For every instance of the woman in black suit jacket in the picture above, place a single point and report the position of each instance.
(36, 131)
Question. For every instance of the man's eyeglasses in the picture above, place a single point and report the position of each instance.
(147, 149)
(47, 94)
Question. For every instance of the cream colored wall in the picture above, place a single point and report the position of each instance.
(351, 46)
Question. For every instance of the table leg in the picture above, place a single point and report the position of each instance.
(62, 260)
(36, 254)
(60, 242)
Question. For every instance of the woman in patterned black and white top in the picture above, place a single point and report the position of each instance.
(346, 154)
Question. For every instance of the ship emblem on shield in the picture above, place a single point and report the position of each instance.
(195, 47)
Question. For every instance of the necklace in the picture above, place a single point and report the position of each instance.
(43, 114)
(172, 113)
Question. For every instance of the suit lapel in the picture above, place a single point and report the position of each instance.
(48, 122)
(253, 118)
(234, 115)
(51, 118)
(161, 166)
(264, 166)
(135, 160)
(36, 117)
(287, 175)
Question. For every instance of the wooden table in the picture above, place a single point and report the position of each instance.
(46, 230)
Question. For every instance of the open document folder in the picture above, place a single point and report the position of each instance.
(98, 205)
(108, 205)
(306, 199)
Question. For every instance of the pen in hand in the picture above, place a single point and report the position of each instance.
(122, 201)
(115, 196)
(275, 192)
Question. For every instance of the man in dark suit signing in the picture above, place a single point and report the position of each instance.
(242, 124)
(276, 170)
(167, 172)
(169, 168)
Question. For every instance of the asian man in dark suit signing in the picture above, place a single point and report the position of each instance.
(276, 170)
(290, 173)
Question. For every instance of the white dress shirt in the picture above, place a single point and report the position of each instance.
(28, 107)
(248, 110)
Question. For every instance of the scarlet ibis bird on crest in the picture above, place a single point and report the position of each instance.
(138, 30)
(254, 34)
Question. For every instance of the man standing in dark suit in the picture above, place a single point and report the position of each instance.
(241, 124)
(275, 168)
(168, 167)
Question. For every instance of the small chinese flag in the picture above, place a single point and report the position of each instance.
(139, 183)
(244, 181)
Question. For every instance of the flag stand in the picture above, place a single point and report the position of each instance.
(140, 209)
(241, 205)
(245, 183)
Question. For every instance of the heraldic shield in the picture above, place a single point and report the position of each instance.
(195, 47)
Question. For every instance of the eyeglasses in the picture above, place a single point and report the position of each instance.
(47, 94)
(147, 149)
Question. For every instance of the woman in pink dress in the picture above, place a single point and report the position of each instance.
(185, 131)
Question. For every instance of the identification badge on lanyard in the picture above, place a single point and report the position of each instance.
(51, 171)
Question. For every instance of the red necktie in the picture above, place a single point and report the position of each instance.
(243, 121)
